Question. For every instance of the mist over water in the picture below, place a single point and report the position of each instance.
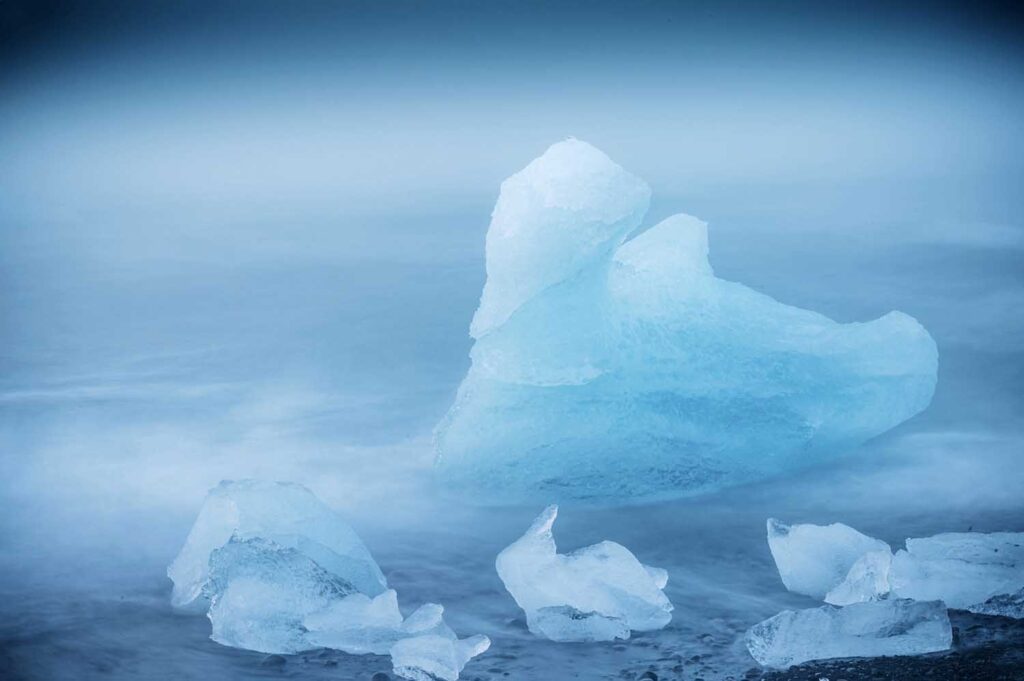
(247, 241)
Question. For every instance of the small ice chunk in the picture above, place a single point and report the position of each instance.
(813, 559)
(357, 624)
(963, 569)
(273, 589)
(597, 593)
(435, 656)
(867, 580)
(565, 623)
(874, 629)
(286, 514)
(995, 548)
(1004, 605)
(260, 592)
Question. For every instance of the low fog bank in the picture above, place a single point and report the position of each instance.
(136, 378)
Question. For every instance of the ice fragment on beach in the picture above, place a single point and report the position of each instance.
(814, 559)
(867, 580)
(287, 514)
(260, 592)
(1004, 605)
(598, 593)
(887, 627)
(963, 569)
(273, 589)
(435, 656)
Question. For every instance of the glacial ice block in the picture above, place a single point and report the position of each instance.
(287, 514)
(814, 559)
(598, 593)
(874, 629)
(611, 366)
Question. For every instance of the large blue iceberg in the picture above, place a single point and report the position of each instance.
(611, 363)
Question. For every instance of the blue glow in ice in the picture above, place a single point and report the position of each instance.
(611, 368)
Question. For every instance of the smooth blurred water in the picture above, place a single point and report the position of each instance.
(130, 391)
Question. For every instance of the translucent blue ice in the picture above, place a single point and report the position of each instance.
(280, 572)
(597, 593)
(974, 571)
(282, 513)
(613, 367)
(875, 629)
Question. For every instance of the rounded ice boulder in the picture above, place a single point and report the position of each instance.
(611, 364)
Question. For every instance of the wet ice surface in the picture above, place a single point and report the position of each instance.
(112, 434)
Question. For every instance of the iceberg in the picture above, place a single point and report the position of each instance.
(874, 629)
(281, 573)
(613, 364)
(814, 559)
(598, 593)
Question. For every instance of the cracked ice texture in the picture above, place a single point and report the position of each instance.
(889, 627)
(611, 367)
(597, 593)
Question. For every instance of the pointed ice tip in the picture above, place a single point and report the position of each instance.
(542, 524)
(427, 616)
(474, 645)
(777, 528)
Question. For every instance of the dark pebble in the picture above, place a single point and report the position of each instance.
(649, 676)
(380, 676)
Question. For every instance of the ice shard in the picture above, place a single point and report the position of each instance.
(435, 657)
(1004, 605)
(874, 629)
(611, 364)
(966, 570)
(598, 593)
(867, 580)
(814, 559)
